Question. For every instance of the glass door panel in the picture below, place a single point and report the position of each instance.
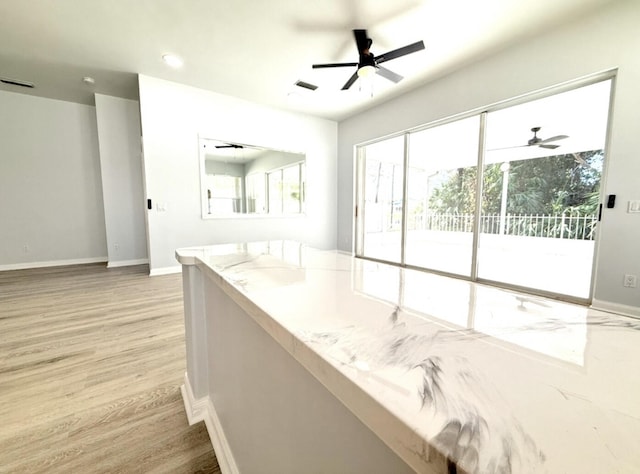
(292, 189)
(540, 198)
(441, 196)
(274, 194)
(382, 164)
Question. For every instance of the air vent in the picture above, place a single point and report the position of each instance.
(16, 82)
(306, 85)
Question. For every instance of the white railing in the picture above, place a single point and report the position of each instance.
(568, 225)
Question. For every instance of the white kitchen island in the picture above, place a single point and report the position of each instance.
(300, 360)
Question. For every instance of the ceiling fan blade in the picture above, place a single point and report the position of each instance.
(321, 66)
(350, 82)
(553, 139)
(232, 145)
(541, 145)
(361, 40)
(508, 147)
(396, 53)
(387, 74)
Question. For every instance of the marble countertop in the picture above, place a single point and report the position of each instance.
(497, 381)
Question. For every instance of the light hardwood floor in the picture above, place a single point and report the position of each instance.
(91, 361)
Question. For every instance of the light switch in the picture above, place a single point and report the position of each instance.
(634, 206)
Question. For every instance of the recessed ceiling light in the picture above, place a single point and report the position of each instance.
(172, 60)
(88, 80)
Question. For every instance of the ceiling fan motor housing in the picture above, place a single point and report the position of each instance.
(366, 59)
(535, 138)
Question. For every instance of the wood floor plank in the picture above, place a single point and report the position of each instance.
(91, 361)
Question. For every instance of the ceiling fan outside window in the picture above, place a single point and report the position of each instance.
(537, 141)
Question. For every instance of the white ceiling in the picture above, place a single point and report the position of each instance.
(257, 49)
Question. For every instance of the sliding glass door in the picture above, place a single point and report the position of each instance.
(540, 201)
(527, 220)
(382, 165)
(441, 196)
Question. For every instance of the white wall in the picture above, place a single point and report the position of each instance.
(121, 169)
(50, 191)
(220, 167)
(173, 115)
(607, 39)
(272, 160)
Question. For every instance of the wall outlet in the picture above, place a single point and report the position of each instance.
(630, 281)
(25, 248)
(116, 247)
(633, 207)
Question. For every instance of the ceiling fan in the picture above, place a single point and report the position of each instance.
(368, 63)
(537, 141)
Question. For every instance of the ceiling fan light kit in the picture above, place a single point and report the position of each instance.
(368, 64)
(366, 71)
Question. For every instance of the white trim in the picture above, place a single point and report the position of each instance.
(625, 310)
(127, 263)
(165, 270)
(196, 409)
(219, 441)
(53, 263)
(203, 410)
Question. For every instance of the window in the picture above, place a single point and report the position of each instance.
(522, 211)
(256, 195)
(285, 193)
(441, 190)
(224, 194)
(540, 203)
(381, 209)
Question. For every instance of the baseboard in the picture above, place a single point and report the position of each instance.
(127, 263)
(632, 311)
(203, 410)
(52, 263)
(196, 409)
(219, 441)
(165, 270)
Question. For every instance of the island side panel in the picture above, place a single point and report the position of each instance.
(195, 330)
(276, 417)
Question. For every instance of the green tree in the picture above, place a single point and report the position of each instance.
(547, 185)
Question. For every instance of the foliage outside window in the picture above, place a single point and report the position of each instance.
(547, 185)
(553, 196)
